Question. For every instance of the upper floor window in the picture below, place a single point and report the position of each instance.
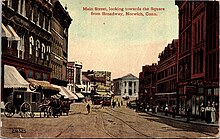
(42, 51)
(20, 48)
(48, 53)
(22, 7)
(31, 40)
(37, 48)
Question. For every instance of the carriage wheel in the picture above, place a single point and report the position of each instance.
(25, 109)
(9, 110)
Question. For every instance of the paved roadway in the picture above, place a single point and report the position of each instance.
(102, 123)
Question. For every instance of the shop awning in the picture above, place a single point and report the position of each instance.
(13, 79)
(101, 92)
(5, 32)
(79, 86)
(43, 84)
(14, 36)
(170, 93)
(66, 92)
(80, 95)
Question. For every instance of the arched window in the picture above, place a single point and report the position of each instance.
(31, 40)
(42, 51)
(48, 53)
(37, 48)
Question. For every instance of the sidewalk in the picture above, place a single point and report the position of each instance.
(183, 119)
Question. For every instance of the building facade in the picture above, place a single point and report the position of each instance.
(86, 91)
(166, 83)
(60, 23)
(26, 43)
(147, 84)
(74, 76)
(198, 55)
(126, 86)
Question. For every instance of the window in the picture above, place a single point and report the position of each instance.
(31, 40)
(130, 84)
(48, 53)
(20, 48)
(37, 49)
(30, 74)
(38, 76)
(45, 77)
(130, 92)
(42, 51)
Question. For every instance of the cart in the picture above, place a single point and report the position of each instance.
(24, 103)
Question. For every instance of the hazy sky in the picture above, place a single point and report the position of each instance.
(123, 44)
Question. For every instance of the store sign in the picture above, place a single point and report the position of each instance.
(196, 83)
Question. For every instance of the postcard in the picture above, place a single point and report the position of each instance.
(109, 69)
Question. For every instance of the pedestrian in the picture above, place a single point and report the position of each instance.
(208, 113)
(118, 104)
(174, 111)
(121, 103)
(156, 107)
(166, 110)
(202, 109)
(88, 108)
(188, 113)
(216, 111)
(213, 113)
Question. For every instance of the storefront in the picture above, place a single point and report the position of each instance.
(166, 98)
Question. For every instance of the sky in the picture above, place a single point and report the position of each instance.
(119, 44)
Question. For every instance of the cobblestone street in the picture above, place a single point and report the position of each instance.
(103, 123)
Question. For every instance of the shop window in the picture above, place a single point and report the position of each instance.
(30, 74)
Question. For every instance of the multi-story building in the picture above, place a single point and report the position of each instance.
(74, 76)
(60, 22)
(198, 55)
(147, 84)
(126, 86)
(166, 83)
(100, 82)
(26, 39)
(28, 47)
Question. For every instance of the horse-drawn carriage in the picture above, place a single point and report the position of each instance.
(27, 103)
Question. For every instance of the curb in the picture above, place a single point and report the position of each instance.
(181, 120)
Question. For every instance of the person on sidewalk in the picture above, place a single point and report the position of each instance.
(213, 113)
(202, 109)
(166, 110)
(88, 107)
(174, 111)
(188, 113)
(208, 113)
(216, 111)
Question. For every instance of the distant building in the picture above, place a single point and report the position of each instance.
(126, 86)
(74, 76)
(86, 91)
(147, 84)
(100, 81)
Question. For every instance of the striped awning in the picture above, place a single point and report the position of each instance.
(13, 79)
(14, 36)
(5, 32)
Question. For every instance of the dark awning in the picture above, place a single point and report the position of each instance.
(43, 84)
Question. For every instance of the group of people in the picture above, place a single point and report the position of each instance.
(210, 113)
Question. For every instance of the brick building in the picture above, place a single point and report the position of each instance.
(166, 83)
(147, 84)
(60, 23)
(198, 55)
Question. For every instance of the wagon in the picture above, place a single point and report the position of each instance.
(24, 103)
